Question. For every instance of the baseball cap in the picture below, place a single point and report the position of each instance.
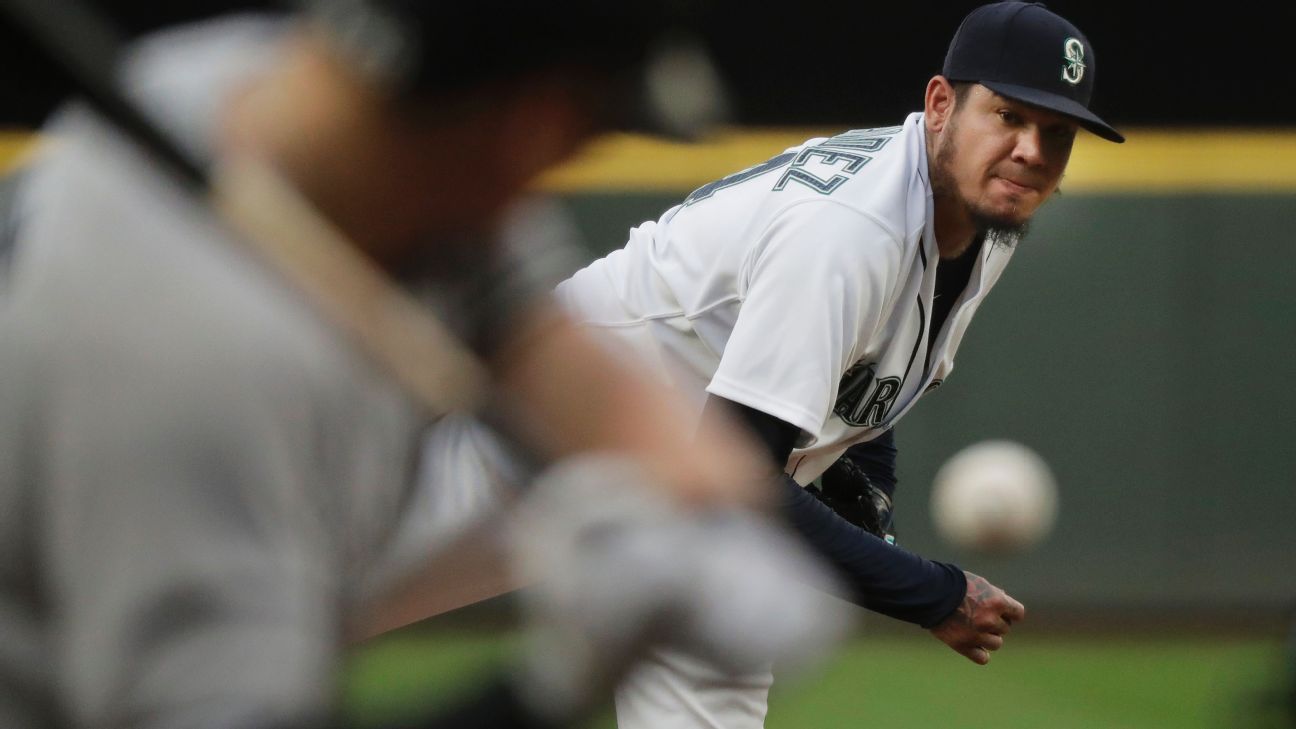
(1026, 52)
(665, 81)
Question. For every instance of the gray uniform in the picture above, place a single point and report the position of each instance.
(197, 478)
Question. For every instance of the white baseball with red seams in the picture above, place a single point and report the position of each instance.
(995, 496)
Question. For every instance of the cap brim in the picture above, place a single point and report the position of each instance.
(1060, 104)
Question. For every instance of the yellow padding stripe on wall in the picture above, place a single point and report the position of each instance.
(14, 147)
(1151, 161)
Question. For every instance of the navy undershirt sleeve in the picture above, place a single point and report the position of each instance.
(880, 576)
(778, 436)
(877, 458)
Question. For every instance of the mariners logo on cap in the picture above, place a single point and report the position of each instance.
(1074, 69)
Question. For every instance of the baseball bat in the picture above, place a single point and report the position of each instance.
(274, 220)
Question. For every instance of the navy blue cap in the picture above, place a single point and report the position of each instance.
(1026, 52)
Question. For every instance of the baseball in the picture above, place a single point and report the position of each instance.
(996, 496)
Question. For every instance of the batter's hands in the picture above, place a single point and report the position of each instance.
(616, 566)
(981, 622)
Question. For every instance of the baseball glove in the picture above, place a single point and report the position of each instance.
(847, 489)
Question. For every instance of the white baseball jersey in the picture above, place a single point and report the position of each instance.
(801, 287)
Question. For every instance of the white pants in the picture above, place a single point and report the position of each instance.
(673, 690)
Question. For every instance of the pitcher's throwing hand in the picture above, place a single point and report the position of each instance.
(981, 622)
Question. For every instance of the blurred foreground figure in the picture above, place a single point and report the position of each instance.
(199, 475)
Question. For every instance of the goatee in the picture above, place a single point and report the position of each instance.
(999, 232)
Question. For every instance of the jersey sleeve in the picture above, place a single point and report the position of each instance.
(813, 291)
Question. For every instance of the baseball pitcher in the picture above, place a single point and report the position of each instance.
(820, 293)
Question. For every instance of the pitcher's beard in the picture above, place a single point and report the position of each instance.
(999, 231)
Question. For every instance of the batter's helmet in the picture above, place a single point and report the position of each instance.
(654, 48)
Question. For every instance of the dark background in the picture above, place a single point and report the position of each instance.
(816, 62)
(1157, 64)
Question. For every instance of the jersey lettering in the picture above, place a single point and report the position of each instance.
(864, 140)
(880, 402)
(843, 149)
(826, 157)
(863, 400)
(851, 391)
(736, 178)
